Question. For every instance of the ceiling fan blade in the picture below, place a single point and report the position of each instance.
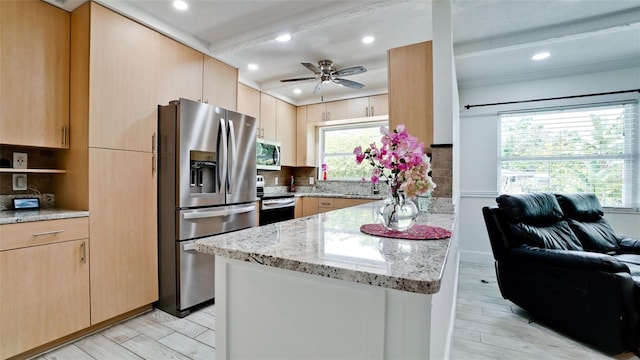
(348, 83)
(318, 87)
(351, 71)
(311, 67)
(298, 79)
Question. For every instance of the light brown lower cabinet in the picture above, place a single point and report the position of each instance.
(44, 288)
(124, 241)
(315, 205)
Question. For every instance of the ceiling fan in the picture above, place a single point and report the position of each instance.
(326, 73)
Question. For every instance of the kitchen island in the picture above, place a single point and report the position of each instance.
(317, 287)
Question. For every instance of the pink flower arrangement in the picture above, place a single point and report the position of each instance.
(399, 161)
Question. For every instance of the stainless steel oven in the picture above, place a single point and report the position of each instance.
(275, 208)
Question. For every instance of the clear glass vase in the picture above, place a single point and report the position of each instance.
(398, 213)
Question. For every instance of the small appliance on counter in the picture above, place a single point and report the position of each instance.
(260, 185)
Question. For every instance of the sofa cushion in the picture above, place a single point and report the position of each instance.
(580, 206)
(555, 236)
(532, 208)
(596, 235)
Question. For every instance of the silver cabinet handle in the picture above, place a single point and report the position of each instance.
(48, 232)
(328, 115)
(372, 113)
(366, 111)
(64, 135)
(83, 257)
(215, 213)
(324, 116)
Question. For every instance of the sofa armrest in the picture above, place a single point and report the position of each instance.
(629, 245)
(577, 260)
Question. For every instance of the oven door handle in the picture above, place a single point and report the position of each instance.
(278, 203)
(216, 213)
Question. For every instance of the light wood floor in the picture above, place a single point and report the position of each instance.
(486, 327)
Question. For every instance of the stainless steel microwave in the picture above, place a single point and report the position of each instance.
(267, 155)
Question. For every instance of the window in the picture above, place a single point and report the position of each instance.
(588, 148)
(336, 149)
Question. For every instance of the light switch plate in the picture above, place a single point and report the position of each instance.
(19, 182)
(311, 180)
(19, 160)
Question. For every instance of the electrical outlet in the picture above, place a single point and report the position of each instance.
(275, 181)
(311, 180)
(19, 182)
(19, 160)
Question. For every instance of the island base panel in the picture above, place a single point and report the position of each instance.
(266, 312)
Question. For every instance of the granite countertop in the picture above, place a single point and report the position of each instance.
(21, 216)
(331, 245)
(338, 195)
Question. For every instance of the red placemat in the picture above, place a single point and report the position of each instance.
(416, 232)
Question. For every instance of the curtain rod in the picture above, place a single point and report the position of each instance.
(553, 98)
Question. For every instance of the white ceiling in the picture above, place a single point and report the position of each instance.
(493, 39)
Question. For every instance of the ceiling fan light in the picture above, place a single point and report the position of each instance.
(284, 37)
(541, 55)
(180, 5)
(368, 39)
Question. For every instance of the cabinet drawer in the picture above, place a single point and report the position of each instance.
(326, 202)
(343, 203)
(42, 232)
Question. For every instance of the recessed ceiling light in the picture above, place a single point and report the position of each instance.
(297, 91)
(252, 67)
(284, 37)
(540, 56)
(368, 39)
(180, 5)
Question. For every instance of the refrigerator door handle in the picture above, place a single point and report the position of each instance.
(189, 246)
(223, 166)
(216, 213)
(231, 163)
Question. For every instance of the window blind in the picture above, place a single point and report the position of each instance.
(593, 148)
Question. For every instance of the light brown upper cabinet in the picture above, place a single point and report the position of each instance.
(267, 124)
(286, 131)
(411, 90)
(305, 139)
(133, 69)
(332, 110)
(248, 101)
(219, 84)
(34, 85)
(368, 106)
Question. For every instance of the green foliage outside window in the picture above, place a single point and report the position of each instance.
(569, 152)
(337, 150)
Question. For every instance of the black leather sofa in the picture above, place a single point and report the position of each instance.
(557, 257)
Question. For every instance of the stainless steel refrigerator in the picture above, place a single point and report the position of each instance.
(206, 186)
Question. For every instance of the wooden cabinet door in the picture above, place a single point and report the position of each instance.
(336, 110)
(248, 101)
(45, 294)
(286, 131)
(219, 85)
(309, 206)
(123, 232)
(304, 147)
(379, 105)
(411, 90)
(358, 107)
(267, 117)
(316, 113)
(34, 63)
(133, 69)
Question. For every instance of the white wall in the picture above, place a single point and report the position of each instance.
(478, 145)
